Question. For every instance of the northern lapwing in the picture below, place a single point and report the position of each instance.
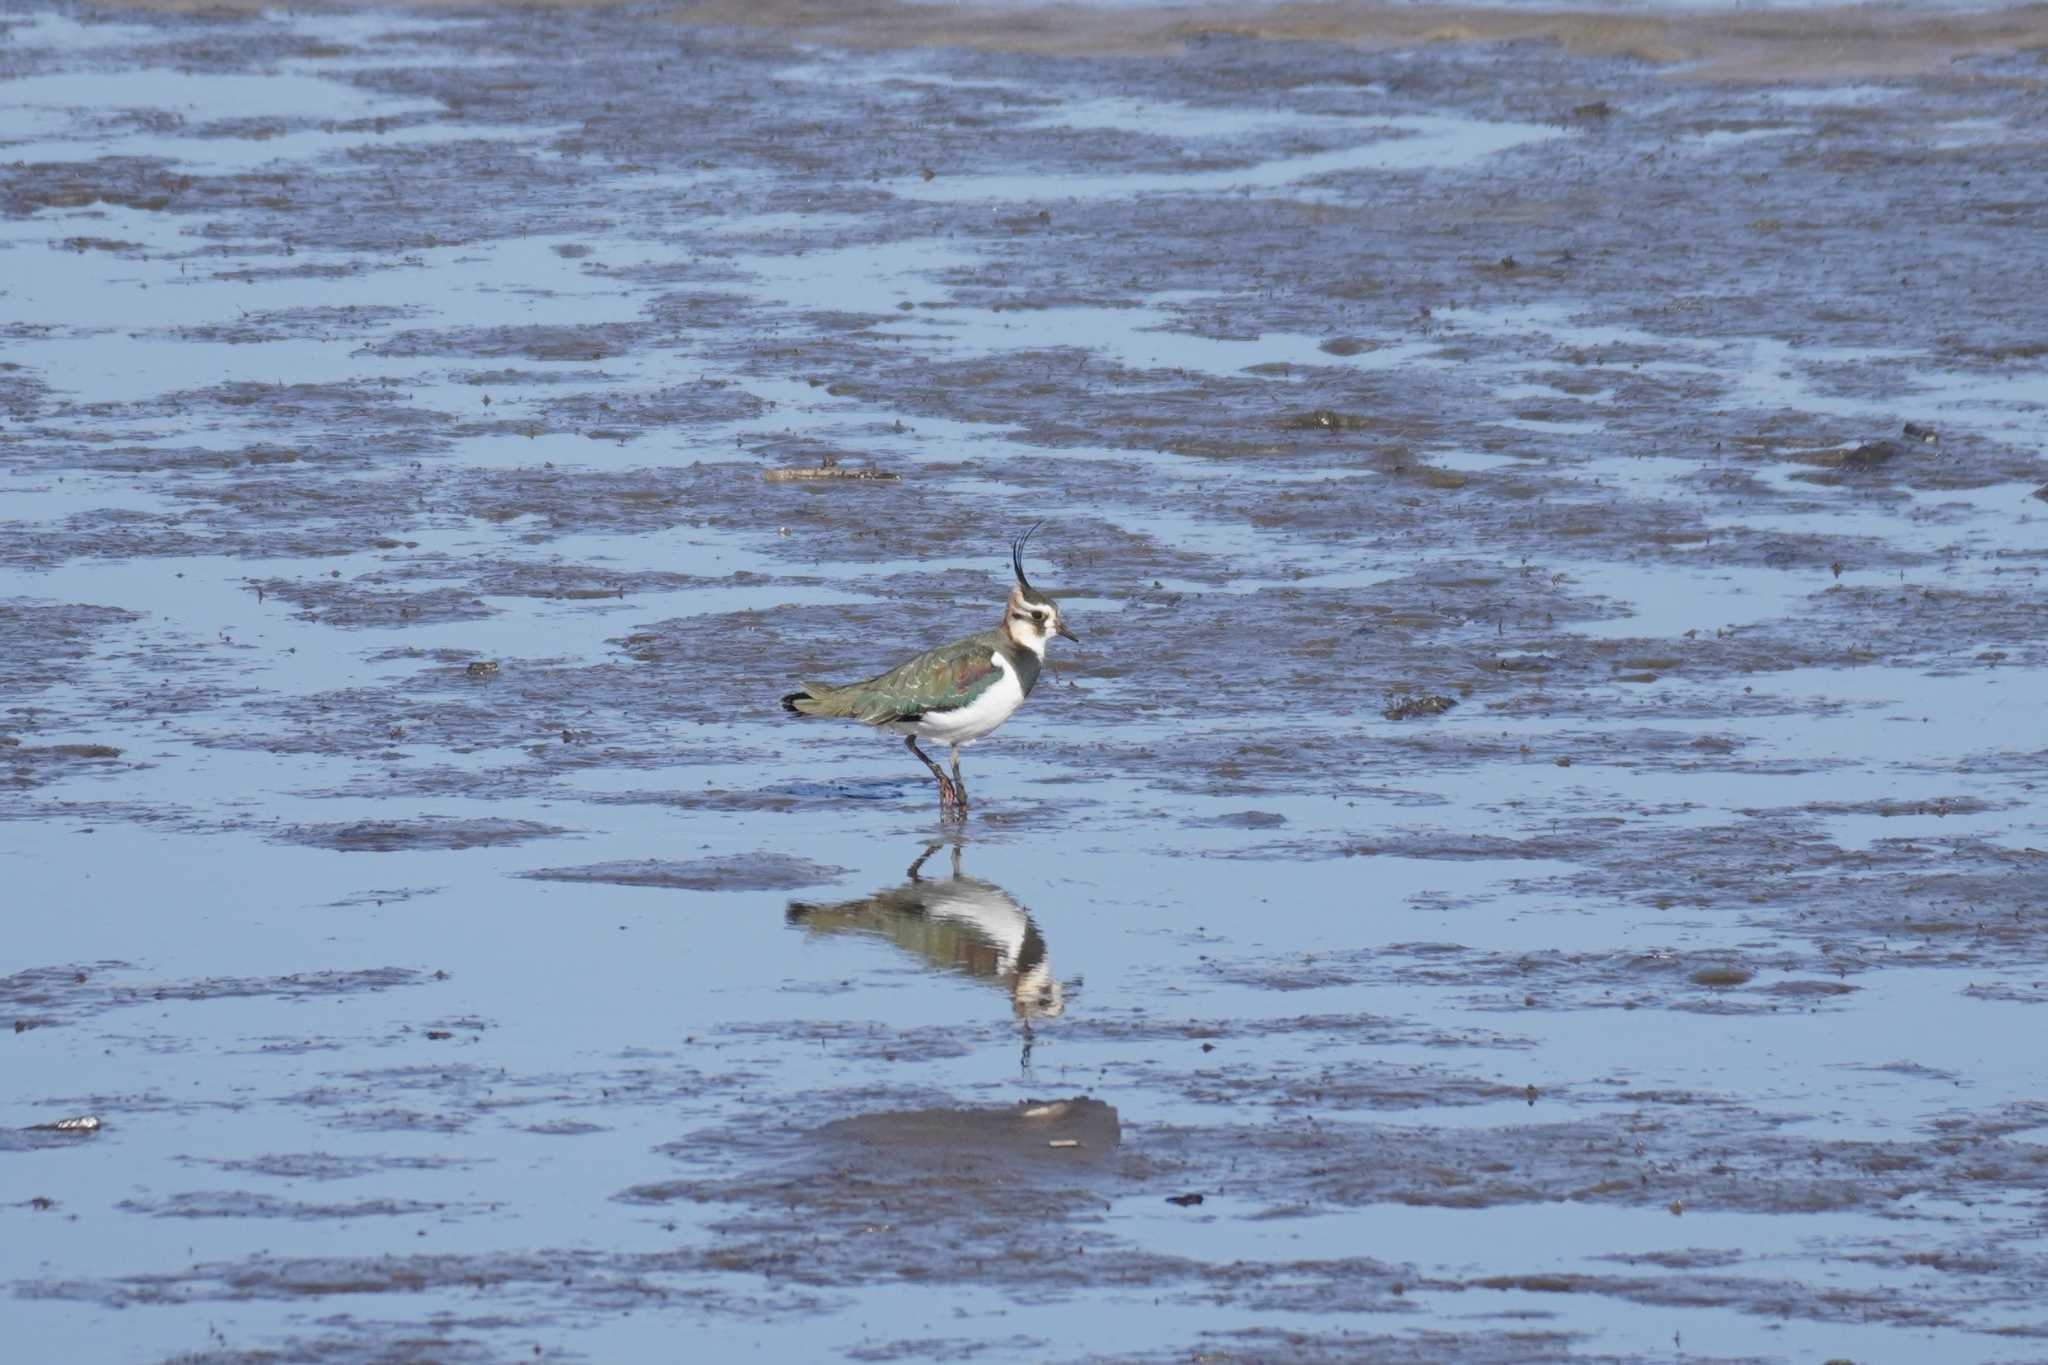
(963, 924)
(956, 693)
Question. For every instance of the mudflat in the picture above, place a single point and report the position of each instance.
(1539, 855)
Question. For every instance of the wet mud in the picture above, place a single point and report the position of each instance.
(1538, 857)
(765, 872)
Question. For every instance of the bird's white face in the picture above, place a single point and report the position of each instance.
(1033, 620)
(1037, 994)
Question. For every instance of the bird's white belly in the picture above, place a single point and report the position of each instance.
(970, 722)
(988, 914)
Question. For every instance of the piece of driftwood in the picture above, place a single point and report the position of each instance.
(827, 471)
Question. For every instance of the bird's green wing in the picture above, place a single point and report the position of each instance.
(941, 679)
(903, 917)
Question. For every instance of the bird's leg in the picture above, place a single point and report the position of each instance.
(949, 799)
(959, 787)
(929, 849)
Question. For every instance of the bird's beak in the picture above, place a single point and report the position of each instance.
(1061, 629)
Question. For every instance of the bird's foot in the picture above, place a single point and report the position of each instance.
(952, 801)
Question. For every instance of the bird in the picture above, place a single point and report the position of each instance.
(963, 924)
(957, 693)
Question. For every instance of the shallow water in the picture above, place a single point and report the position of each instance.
(467, 959)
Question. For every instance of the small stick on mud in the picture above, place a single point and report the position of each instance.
(823, 472)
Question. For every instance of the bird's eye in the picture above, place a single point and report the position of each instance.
(1039, 617)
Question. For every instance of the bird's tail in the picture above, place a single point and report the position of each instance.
(817, 699)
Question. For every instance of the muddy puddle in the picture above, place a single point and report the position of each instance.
(1539, 855)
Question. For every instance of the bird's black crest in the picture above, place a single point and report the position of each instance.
(1031, 594)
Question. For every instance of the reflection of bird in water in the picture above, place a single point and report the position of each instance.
(961, 924)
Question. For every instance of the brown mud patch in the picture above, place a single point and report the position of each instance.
(1800, 46)
(44, 643)
(44, 996)
(427, 832)
(757, 872)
